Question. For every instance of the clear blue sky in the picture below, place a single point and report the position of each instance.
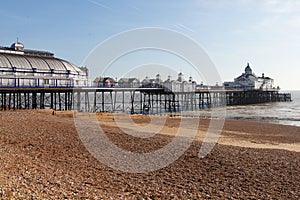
(265, 33)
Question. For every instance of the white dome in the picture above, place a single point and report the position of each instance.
(17, 46)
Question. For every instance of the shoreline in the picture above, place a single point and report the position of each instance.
(228, 137)
(232, 137)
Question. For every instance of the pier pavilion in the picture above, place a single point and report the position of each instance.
(250, 81)
(20, 67)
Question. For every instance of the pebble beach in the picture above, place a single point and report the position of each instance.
(42, 157)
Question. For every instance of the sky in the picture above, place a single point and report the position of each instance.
(265, 33)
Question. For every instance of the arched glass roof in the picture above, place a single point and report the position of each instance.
(4, 63)
(19, 62)
(55, 64)
(71, 67)
(40, 63)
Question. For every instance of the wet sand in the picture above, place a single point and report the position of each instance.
(41, 156)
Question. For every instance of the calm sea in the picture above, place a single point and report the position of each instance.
(287, 113)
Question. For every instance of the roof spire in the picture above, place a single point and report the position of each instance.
(248, 69)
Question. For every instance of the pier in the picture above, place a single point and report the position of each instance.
(131, 100)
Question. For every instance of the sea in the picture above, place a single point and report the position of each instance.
(287, 113)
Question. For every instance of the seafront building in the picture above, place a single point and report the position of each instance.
(249, 81)
(128, 83)
(31, 79)
(175, 85)
(20, 67)
(246, 81)
(104, 82)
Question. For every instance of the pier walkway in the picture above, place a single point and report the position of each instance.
(131, 100)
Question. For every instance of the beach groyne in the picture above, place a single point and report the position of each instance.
(131, 100)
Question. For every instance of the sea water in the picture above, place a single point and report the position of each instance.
(287, 113)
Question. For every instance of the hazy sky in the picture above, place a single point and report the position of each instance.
(265, 33)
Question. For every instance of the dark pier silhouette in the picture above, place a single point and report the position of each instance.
(131, 100)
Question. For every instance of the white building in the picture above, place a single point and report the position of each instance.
(180, 85)
(249, 81)
(20, 67)
(152, 83)
(128, 83)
